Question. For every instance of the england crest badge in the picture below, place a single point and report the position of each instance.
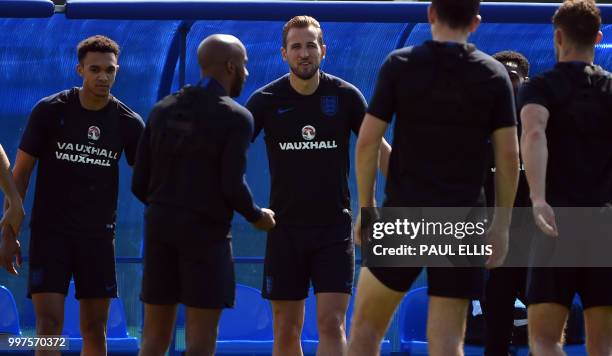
(329, 105)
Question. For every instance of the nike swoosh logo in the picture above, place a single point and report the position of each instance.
(282, 111)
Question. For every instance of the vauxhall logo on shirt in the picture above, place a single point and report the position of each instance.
(308, 133)
(93, 133)
(86, 154)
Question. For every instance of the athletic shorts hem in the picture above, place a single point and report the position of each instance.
(456, 294)
(334, 290)
(46, 290)
(154, 301)
(284, 297)
(209, 305)
(96, 296)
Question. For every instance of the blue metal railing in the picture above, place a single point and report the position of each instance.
(338, 11)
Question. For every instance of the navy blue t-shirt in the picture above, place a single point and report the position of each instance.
(447, 98)
(192, 157)
(78, 152)
(578, 97)
(307, 139)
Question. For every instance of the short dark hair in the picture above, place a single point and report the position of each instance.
(515, 57)
(456, 13)
(302, 21)
(580, 20)
(97, 43)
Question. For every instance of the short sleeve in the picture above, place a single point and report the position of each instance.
(382, 104)
(255, 106)
(357, 109)
(134, 128)
(504, 110)
(534, 91)
(36, 132)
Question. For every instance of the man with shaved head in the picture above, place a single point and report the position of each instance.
(190, 173)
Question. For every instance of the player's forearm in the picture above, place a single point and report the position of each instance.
(535, 159)
(366, 158)
(237, 192)
(383, 159)
(6, 179)
(22, 180)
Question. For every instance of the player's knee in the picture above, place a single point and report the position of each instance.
(364, 331)
(446, 339)
(542, 343)
(151, 346)
(201, 349)
(48, 324)
(93, 328)
(331, 325)
(287, 330)
(159, 341)
(599, 345)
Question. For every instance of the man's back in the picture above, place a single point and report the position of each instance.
(448, 99)
(579, 131)
(192, 136)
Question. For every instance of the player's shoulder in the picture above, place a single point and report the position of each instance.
(552, 78)
(277, 90)
(409, 55)
(57, 100)
(275, 87)
(338, 84)
(485, 66)
(125, 112)
(236, 109)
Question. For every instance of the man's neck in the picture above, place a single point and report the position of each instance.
(576, 56)
(92, 102)
(446, 34)
(304, 87)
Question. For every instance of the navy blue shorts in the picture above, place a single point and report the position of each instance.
(57, 257)
(186, 261)
(451, 282)
(295, 256)
(558, 285)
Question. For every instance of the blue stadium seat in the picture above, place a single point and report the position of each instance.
(413, 325)
(245, 329)
(310, 333)
(117, 338)
(413, 322)
(9, 318)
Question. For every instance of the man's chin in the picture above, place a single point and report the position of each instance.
(102, 94)
(305, 75)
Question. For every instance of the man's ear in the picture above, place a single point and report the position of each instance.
(599, 37)
(475, 23)
(431, 15)
(230, 67)
(558, 36)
